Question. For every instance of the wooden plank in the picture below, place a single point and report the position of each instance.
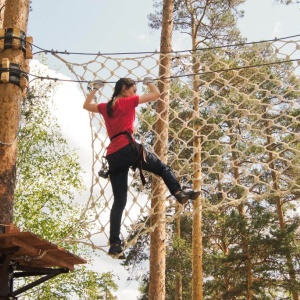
(35, 251)
(39, 254)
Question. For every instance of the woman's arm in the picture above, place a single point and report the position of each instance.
(153, 93)
(89, 103)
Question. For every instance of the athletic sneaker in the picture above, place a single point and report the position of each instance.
(116, 251)
(183, 196)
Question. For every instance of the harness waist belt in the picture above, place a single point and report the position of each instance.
(139, 152)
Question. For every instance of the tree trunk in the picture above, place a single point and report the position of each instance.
(247, 256)
(2, 8)
(178, 276)
(157, 288)
(15, 16)
(197, 247)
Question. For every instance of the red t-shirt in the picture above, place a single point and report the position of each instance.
(122, 119)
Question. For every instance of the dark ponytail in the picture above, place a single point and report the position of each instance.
(109, 105)
(118, 90)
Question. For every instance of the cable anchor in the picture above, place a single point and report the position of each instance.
(12, 73)
(15, 38)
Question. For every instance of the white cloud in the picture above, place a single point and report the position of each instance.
(141, 37)
(277, 29)
(74, 120)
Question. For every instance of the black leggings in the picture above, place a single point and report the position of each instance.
(119, 164)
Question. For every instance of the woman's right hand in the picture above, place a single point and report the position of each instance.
(97, 84)
(147, 80)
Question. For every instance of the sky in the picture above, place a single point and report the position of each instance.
(122, 26)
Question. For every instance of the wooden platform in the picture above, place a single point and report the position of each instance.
(33, 251)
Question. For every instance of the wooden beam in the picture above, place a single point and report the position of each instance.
(43, 254)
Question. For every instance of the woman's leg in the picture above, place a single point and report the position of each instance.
(119, 163)
(154, 165)
(157, 167)
(119, 182)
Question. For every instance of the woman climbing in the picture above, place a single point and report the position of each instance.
(124, 152)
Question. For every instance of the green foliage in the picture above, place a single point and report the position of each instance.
(80, 284)
(48, 171)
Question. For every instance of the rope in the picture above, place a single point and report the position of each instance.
(65, 52)
(171, 77)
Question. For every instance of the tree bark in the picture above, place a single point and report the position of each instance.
(15, 16)
(178, 276)
(157, 288)
(197, 246)
(2, 8)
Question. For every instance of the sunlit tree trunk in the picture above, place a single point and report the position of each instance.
(178, 276)
(157, 237)
(197, 283)
(15, 16)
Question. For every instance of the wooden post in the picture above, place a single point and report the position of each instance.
(157, 237)
(15, 16)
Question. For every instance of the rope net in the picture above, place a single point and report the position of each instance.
(250, 123)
